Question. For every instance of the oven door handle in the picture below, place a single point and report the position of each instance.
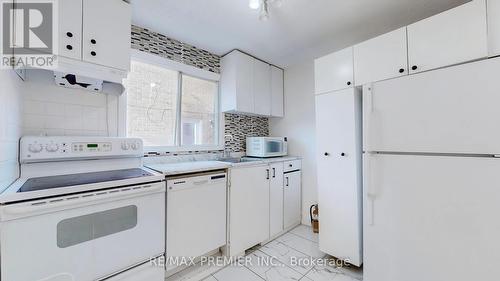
(74, 201)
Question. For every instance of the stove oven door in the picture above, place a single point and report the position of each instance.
(82, 237)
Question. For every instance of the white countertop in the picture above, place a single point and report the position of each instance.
(188, 167)
(170, 169)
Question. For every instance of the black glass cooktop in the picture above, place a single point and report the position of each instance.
(36, 184)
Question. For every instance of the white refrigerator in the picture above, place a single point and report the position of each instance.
(432, 176)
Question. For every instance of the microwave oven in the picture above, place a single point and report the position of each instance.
(267, 146)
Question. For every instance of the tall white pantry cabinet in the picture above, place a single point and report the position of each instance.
(339, 160)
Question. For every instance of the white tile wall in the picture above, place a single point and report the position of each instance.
(53, 110)
(10, 126)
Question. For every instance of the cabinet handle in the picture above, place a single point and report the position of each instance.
(93, 41)
(93, 53)
(342, 154)
(401, 70)
(69, 34)
(349, 83)
(327, 154)
(287, 181)
(267, 174)
(69, 47)
(414, 67)
(274, 172)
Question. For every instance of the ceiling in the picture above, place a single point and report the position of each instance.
(298, 30)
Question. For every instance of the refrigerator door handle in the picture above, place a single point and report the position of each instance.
(366, 117)
(370, 95)
(370, 190)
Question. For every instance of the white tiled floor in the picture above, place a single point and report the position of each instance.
(300, 243)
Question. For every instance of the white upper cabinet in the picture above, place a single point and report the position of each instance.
(262, 87)
(251, 86)
(494, 27)
(455, 36)
(70, 29)
(277, 92)
(106, 33)
(334, 71)
(237, 83)
(381, 58)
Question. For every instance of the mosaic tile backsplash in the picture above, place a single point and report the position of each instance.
(161, 45)
(239, 127)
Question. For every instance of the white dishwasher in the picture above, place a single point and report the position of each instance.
(196, 214)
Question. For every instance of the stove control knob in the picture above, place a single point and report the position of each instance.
(135, 146)
(35, 148)
(125, 146)
(53, 147)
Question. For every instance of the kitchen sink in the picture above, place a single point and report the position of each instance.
(237, 160)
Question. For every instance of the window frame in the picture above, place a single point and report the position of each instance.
(181, 69)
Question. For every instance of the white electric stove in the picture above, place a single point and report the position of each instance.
(84, 208)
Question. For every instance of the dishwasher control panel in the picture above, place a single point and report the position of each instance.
(196, 180)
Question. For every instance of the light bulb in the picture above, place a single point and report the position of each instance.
(254, 4)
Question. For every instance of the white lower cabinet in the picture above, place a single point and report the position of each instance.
(249, 207)
(264, 201)
(292, 199)
(276, 199)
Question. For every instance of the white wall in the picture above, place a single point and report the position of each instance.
(38, 107)
(10, 126)
(57, 111)
(299, 126)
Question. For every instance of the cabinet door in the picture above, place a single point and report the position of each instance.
(244, 83)
(455, 36)
(249, 208)
(262, 87)
(292, 199)
(106, 33)
(276, 199)
(339, 173)
(334, 72)
(494, 27)
(277, 92)
(70, 29)
(381, 58)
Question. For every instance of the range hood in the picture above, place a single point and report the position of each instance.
(74, 81)
(76, 74)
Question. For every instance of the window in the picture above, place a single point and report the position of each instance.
(199, 111)
(167, 108)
